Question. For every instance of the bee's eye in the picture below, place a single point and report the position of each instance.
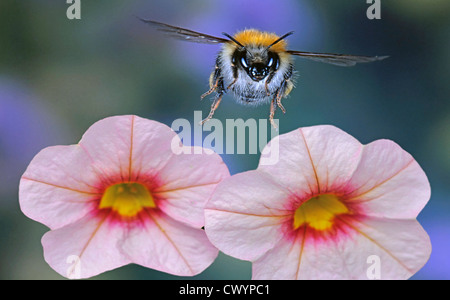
(274, 61)
(244, 62)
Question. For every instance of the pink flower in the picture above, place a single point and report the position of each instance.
(330, 208)
(120, 196)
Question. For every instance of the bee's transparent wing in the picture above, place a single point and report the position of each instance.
(185, 34)
(343, 60)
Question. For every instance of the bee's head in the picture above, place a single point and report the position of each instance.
(257, 60)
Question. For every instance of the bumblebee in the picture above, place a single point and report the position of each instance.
(255, 66)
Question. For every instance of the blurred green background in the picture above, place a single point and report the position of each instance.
(59, 76)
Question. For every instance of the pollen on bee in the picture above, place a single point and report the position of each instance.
(256, 37)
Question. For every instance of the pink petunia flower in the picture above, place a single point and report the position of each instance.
(330, 208)
(120, 196)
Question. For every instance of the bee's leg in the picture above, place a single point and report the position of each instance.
(214, 106)
(213, 83)
(273, 108)
(284, 89)
(235, 76)
(215, 80)
(279, 95)
(211, 90)
(231, 84)
(219, 94)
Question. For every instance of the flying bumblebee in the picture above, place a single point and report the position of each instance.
(255, 66)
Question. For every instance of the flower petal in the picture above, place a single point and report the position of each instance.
(57, 187)
(244, 217)
(85, 248)
(401, 247)
(151, 146)
(127, 146)
(190, 180)
(170, 246)
(314, 160)
(388, 182)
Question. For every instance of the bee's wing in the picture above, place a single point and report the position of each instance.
(344, 60)
(185, 34)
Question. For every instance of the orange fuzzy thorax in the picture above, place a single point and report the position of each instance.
(259, 38)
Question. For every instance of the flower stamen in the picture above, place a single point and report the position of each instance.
(127, 199)
(319, 212)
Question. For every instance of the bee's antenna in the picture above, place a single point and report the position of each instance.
(239, 44)
(233, 39)
(279, 40)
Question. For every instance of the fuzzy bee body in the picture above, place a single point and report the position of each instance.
(250, 86)
(255, 66)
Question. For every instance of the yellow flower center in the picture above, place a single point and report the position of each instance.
(319, 212)
(127, 199)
